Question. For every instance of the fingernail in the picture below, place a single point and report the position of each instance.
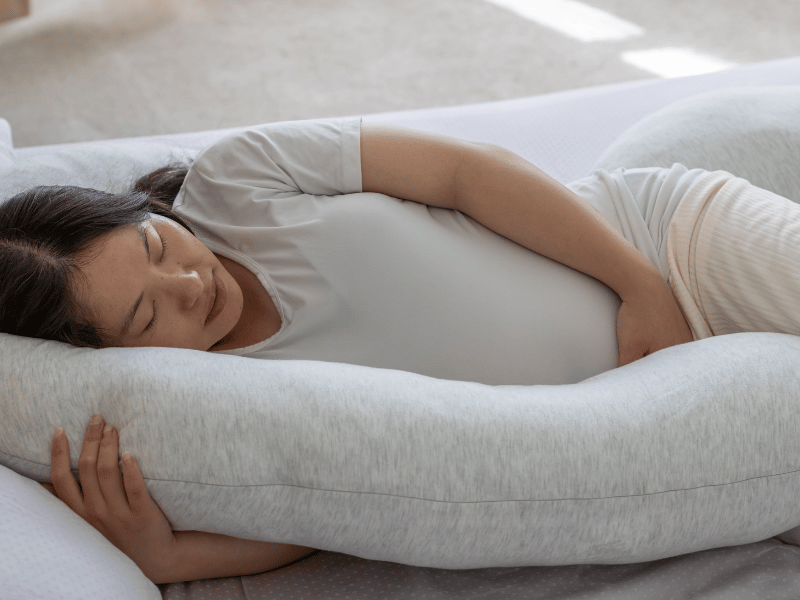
(107, 430)
(96, 420)
(59, 432)
(126, 457)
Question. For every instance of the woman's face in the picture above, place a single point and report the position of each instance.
(156, 284)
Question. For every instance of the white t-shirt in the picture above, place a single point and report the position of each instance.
(367, 279)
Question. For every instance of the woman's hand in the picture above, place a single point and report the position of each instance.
(117, 504)
(650, 320)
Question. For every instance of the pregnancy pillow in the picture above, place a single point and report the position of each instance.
(694, 447)
(753, 133)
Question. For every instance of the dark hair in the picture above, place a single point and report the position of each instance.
(44, 233)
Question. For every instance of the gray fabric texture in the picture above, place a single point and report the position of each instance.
(690, 448)
(752, 133)
(109, 166)
(765, 570)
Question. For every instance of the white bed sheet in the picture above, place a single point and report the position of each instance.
(564, 134)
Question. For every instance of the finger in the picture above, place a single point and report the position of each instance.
(138, 495)
(49, 487)
(109, 474)
(87, 466)
(61, 476)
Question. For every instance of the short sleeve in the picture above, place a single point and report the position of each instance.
(247, 173)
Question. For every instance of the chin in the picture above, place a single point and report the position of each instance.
(213, 348)
(223, 338)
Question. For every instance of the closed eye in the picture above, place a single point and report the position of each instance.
(152, 322)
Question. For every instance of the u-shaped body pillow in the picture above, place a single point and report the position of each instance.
(694, 447)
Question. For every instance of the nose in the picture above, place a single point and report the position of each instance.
(186, 286)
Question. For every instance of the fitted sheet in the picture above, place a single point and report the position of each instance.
(563, 134)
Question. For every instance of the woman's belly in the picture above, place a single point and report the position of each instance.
(433, 292)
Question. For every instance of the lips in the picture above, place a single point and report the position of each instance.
(218, 303)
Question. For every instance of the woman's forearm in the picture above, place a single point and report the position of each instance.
(201, 555)
(512, 197)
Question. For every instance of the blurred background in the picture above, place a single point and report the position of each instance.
(79, 70)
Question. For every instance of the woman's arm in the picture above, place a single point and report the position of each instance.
(202, 555)
(120, 507)
(505, 193)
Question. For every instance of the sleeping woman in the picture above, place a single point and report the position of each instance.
(373, 245)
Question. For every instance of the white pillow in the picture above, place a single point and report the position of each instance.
(48, 551)
(6, 146)
(753, 133)
(694, 447)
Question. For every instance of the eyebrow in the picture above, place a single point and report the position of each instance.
(126, 324)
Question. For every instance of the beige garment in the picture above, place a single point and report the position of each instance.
(734, 258)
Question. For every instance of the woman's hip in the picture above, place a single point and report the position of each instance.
(734, 254)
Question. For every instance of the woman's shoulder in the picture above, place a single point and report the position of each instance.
(317, 156)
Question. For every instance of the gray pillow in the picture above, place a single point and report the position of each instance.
(696, 446)
(753, 133)
(110, 166)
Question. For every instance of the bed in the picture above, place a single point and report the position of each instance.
(566, 134)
